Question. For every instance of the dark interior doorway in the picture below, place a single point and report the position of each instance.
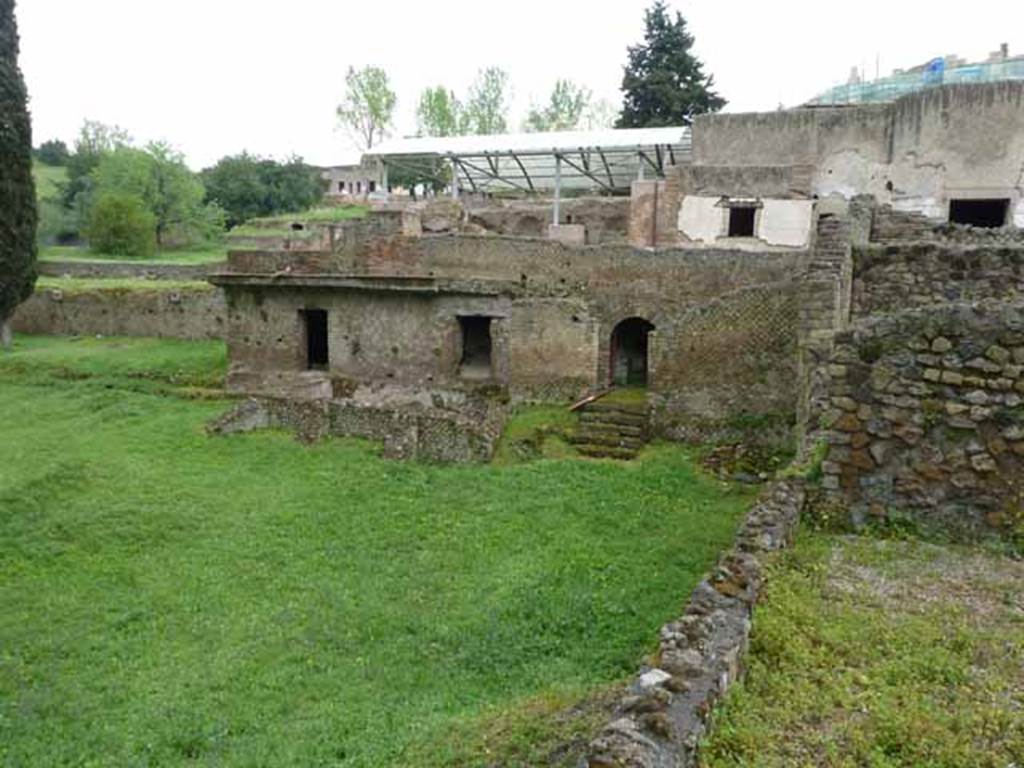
(476, 346)
(741, 220)
(989, 213)
(317, 352)
(629, 353)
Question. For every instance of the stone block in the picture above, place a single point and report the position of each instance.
(568, 234)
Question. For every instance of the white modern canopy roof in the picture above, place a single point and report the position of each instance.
(605, 159)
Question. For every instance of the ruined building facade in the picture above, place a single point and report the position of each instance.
(729, 292)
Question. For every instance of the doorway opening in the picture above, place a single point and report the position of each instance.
(990, 214)
(315, 331)
(629, 364)
(475, 362)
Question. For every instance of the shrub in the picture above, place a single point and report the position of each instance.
(120, 225)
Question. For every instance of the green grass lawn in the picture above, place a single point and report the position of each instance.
(171, 598)
(881, 654)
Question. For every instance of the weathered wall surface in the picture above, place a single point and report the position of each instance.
(778, 222)
(179, 314)
(728, 366)
(555, 308)
(925, 418)
(895, 277)
(916, 154)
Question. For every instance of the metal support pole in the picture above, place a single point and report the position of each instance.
(639, 167)
(455, 180)
(556, 217)
(384, 177)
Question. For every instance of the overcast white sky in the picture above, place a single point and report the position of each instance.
(214, 77)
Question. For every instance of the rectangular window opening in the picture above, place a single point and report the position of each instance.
(373, 186)
(341, 186)
(741, 220)
(476, 347)
(989, 213)
(317, 353)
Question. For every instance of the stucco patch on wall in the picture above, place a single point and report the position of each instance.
(785, 223)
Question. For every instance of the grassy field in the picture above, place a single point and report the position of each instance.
(176, 599)
(48, 178)
(881, 653)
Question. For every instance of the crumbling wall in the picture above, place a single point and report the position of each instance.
(606, 219)
(168, 312)
(925, 418)
(659, 722)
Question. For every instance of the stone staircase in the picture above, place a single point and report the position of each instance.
(612, 430)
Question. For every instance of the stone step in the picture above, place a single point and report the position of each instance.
(598, 406)
(614, 417)
(600, 427)
(615, 441)
(606, 452)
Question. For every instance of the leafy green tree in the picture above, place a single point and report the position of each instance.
(17, 189)
(486, 108)
(158, 176)
(368, 106)
(94, 140)
(438, 112)
(120, 225)
(53, 152)
(563, 111)
(664, 83)
(247, 186)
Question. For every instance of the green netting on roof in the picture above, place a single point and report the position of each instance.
(934, 74)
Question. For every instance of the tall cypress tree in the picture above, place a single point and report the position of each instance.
(17, 190)
(664, 83)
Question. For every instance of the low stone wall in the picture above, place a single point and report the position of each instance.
(925, 418)
(659, 722)
(127, 270)
(406, 433)
(176, 313)
(893, 278)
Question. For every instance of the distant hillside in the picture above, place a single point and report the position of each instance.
(47, 177)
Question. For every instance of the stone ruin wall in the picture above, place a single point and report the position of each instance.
(723, 357)
(925, 418)
(164, 312)
(918, 395)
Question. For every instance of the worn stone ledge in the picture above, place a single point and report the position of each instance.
(666, 711)
(126, 270)
(406, 433)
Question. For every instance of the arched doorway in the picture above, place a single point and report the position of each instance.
(629, 353)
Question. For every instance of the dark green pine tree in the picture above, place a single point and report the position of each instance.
(17, 190)
(665, 84)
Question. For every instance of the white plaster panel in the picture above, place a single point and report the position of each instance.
(701, 218)
(1018, 214)
(786, 222)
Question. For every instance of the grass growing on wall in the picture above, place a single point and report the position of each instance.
(73, 285)
(881, 653)
(75, 253)
(176, 599)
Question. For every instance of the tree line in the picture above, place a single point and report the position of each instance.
(133, 200)
(663, 84)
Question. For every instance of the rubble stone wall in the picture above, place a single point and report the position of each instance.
(925, 418)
